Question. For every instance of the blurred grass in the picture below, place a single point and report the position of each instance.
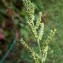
(54, 9)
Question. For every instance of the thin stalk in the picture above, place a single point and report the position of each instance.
(39, 50)
(10, 48)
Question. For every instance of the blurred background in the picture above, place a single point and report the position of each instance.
(13, 26)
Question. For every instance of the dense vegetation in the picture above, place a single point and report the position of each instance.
(13, 26)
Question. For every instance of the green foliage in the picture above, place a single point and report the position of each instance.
(54, 19)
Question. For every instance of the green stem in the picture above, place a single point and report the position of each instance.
(39, 50)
